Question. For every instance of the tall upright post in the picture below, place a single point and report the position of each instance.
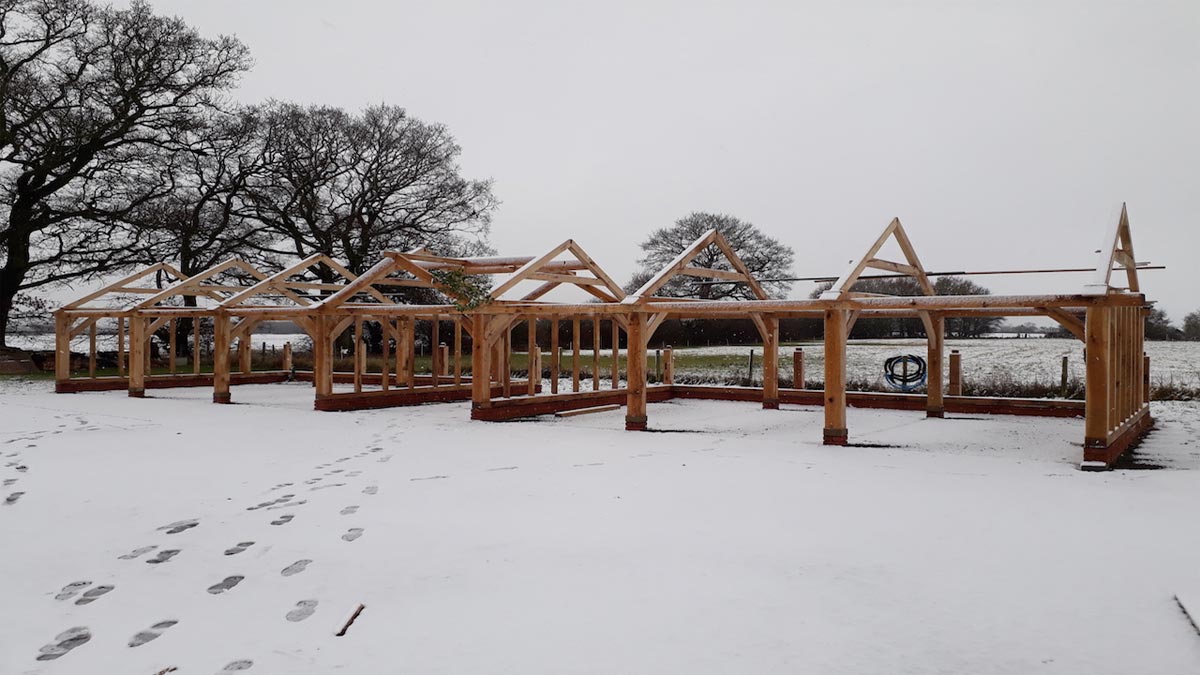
(835, 377)
(1096, 404)
(286, 365)
(554, 355)
(322, 355)
(435, 349)
(458, 346)
(596, 352)
(481, 368)
(92, 349)
(575, 353)
(635, 410)
(668, 366)
(770, 399)
(935, 405)
(221, 345)
(196, 345)
(531, 354)
(62, 347)
(137, 356)
(171, 346)
(244, 353)
(121, 346)
(616, 354)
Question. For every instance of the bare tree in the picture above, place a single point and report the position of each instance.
(89, 99)
(769, 261)
(1191, 326)
(355, 186)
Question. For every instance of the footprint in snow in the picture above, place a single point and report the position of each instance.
(12, 499)
(376, 449)
(385, 458)
(66, 641)
(225, 584)
(235, 666)
(505, 468)
(353, 474)
(241, 546)
(9, 481)
(352, 534)
(180, 526)
(137, 552)
(71, 589)
(370, 489)
(89, 596)
(429, 478)
(283, 520)
(303, 610)
(350, 510)
(151, 633)
(295, 568)
(163, 556)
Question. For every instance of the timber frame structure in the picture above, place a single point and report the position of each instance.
(1106, 317)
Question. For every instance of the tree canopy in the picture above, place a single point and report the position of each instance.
(767, 259)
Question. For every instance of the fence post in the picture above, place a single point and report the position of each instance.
(955, 373)
(668, 365)
(1063, 393)
(287, 357)
(750, 370)
(798, 369)
(1145, 377)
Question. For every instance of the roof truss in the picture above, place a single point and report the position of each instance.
(911, 267)
(681, 265)
(1117, 250)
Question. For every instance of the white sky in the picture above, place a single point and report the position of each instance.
(1003, 134)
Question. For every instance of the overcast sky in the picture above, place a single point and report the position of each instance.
(1003, 134)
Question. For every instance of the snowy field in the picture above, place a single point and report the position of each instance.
(170, 533)
(1016, 360)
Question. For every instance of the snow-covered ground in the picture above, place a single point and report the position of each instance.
(738, 545)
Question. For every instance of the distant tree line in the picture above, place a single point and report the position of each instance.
(119, 149)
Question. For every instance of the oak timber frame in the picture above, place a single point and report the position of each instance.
(1108, 318)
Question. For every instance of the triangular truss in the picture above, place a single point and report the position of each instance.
(681, 265)
(126, 286)
(554, 273)
(206, 284)
(912, 267)
(1117, 250)
(299, 284)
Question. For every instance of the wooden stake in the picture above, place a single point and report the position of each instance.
(92, 350)
(287, 357)
(668, 366)
(359, 355)
(955, 373)
(616, 354)
(531, 354)
(196, 345)
(798, 369)
(458, 345)
(596, 352)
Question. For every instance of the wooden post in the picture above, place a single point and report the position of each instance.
(323, 354)
(171, 347)
(137, 356)
(955, 373)
(531, 354)
(435, 350)
(935, 405)
(385, 378)
(481, 384)
(835, 432)
(554, 355)
(635, 411)
(92, 349)
(616, 354)
(596, 352)
(798, 369)
(410, 352)
(506, 361)
(221, 365)
(668, 366)
(120, 346)
(287, 357)
(1063, 384)
(770, 399)
(196, 345)
(62, 346)
(443, 360)
(359, 355)
(1145, 378)
(244, 353)
(1098, 394)
(575, 354)
(458, 342)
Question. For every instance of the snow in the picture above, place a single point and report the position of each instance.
(567, 545)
